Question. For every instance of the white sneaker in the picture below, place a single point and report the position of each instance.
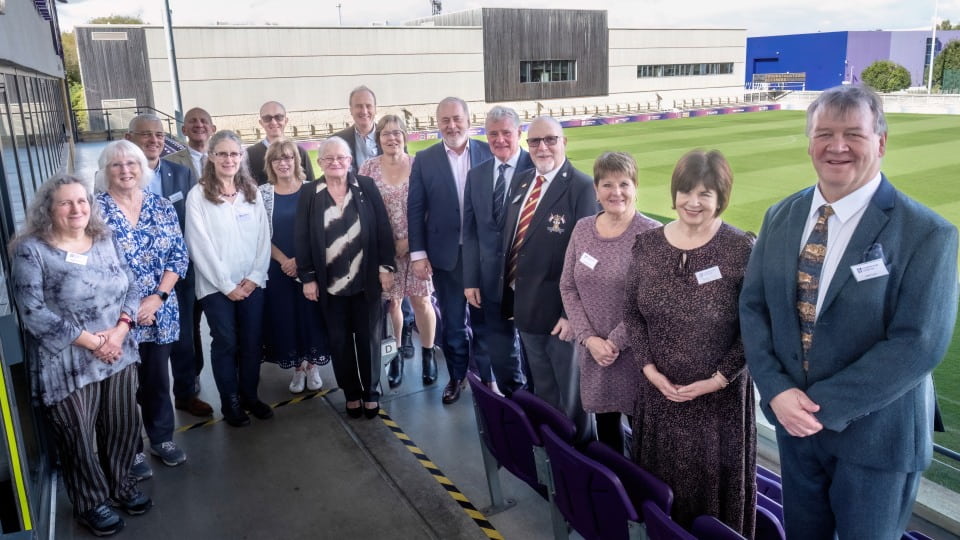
(296, 384)
(314, 382)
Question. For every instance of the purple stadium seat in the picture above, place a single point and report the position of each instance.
(589, 495)
(640, 484)
(768, 526)
(915, 535)
(767, 473)
(542, 413)
(770, 488)
(711, 528)
(660, 526)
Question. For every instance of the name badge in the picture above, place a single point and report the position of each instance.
(76, 258)
(244, 217)
(869, 270)
(708, 275)
(178, 196)
(588, 260)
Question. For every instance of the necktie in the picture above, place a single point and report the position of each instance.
(808, 277)
(526, 215)
(498, 191)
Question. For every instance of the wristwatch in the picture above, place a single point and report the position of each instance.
(162, 294)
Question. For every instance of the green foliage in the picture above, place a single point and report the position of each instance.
(947, 60)
(71, 61)
(945, 25)
(886, 76)
(117, 19)
(79, 103)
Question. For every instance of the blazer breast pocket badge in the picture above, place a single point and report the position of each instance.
(874, 265)
(556, 220)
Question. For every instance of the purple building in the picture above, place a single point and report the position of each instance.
(832, 58)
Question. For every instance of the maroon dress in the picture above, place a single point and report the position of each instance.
(688, 327)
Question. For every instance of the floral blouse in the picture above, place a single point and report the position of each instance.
(152, 247)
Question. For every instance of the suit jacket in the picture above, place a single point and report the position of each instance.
(433, 205)
(176, 181)
(184, 159)
(875, 342)
(483, 254)
(376, 236)
(255, 161)
(535, 304)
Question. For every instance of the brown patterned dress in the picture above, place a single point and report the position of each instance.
(705, 449)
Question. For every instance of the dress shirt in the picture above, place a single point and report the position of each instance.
(547, 178)
(840, 228)
(198, 161)
(366, 146)
(156, 181)
(507, 173)
(459, 164)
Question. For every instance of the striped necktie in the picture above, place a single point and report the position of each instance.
(526, 216)
(808, 277)
(499, 189)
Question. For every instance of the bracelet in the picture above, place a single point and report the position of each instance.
(127, 320)
(103, 340)
(723, 380)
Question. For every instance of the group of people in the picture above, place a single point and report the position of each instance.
(543, 277)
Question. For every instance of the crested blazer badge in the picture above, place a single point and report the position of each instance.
(556, 220)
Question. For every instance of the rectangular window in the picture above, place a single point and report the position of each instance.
(678, 70)
(545, 71)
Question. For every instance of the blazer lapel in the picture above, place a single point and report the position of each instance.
(515, 197)
(556, 189)
(166, 181)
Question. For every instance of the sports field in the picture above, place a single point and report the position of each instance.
(767, 152)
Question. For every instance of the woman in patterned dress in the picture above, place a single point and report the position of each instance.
(695, 418)
(146, 228)
(294, 334)
(391, 172)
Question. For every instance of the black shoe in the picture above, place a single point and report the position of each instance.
(371, 413)
(354, 412)
(406, 341)
(259, 409)
(395, 371)
(429, 365)
(451, 392)
(233, 414)
(136, 504)
(101, 520)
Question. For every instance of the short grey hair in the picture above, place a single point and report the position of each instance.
(549, 120)
(357, 90)
(458, 101)
(39, 218)
(111, 152)
(842, 99)
(500, 112)
(331, 142)
(144, 117)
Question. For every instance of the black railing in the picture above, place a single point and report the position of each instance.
(111, 120)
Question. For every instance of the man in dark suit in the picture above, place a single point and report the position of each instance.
(841, 340)
(273, 120)
(435, 220)
(361, 136)
(197, 128)
(484, 213)
(544, 205)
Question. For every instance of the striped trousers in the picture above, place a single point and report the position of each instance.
(97, 429)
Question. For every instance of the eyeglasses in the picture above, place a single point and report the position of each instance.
(119, 165)
(148, 134)
(340, 159)
(550, 140)
(225, 155)
(392, 133)
(278, 118)
(281, 158)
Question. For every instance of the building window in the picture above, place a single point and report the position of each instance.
(684, 70)
(544, 71)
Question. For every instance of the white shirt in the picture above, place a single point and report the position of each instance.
(548, 177)
(460, 165)
(507, 173)
(840, 228)
(227, 242)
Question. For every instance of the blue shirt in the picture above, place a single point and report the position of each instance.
(152, 247)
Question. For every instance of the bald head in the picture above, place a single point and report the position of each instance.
(197, 128)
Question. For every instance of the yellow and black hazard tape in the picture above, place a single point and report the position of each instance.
(438, 475)
(295, 399)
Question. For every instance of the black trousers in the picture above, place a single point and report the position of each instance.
(353, 325)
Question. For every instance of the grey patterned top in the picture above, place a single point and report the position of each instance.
(58, 299)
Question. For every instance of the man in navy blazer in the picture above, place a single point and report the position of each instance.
(484, 213)
(853, 408)
(435, 220)
(531, 285)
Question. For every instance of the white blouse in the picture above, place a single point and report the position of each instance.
(227, 242)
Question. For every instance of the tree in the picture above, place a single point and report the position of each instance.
(886, 76)
(947, 61)
(945, 25)
(71, 62)
(117, 19)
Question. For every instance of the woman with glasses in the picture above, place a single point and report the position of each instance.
(294, 332)
(345, 259)
(228, 236)
(391, 172)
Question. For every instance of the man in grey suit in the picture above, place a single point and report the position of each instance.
(197, 128)
(544, 205)
(841, 339)
(484, 213)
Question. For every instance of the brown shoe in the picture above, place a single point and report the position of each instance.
(451, 392)
(194, 406)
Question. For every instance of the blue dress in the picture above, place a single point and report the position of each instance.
(294, 330)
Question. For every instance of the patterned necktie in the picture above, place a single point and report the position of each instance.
(526, 215)
(808, 277)
(498, 191)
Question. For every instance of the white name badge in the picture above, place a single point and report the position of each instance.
(76, 258)
(708, 275)
(178, 196)
(244, 217)
(869, 270)
(588, 260)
